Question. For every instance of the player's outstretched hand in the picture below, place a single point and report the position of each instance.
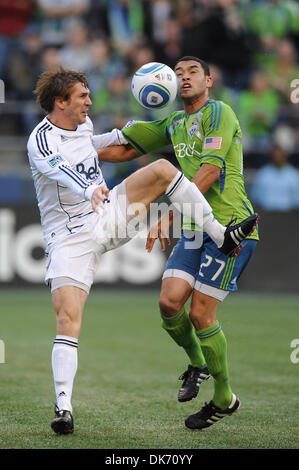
(98, 197)
(159, 230)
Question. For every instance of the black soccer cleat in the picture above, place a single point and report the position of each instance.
(211, 414)
(63, 422)
(235, 234)
(192, 379)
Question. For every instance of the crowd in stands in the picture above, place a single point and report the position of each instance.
(252, 47)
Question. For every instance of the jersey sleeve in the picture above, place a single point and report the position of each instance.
(147, 136)
(43, 153)
(219, 128)
(115, 137)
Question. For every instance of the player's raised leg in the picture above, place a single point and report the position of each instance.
(161, 177)
(68, 303)
(147, 184)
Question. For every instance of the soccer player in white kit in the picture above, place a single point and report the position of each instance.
(81, 218)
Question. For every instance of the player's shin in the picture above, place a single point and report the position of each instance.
(64, 366)
(214, 348)
(181, 330)
(188, 199)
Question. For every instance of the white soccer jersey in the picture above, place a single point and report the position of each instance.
(63, 164)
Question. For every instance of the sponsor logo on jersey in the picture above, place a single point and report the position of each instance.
(55, 160)
(90, 173)
(186, 150)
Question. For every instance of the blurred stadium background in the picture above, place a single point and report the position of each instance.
(253, 49)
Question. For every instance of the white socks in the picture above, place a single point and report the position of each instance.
(190, 202)
(64, 366)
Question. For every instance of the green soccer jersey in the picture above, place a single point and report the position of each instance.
(210, 135)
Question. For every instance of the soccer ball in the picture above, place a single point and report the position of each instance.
(154, 85)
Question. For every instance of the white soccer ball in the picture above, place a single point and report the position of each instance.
(154, 85)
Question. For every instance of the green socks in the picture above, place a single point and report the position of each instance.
(213, 345)
(211, 351)
(183, 333)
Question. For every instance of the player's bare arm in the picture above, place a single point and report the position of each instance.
(118, 153)
(206, 176)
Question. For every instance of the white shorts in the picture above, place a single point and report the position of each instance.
(76, 257)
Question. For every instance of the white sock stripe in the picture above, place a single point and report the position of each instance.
(175, 185)
(65, 341)
(69, 338)
(57, 340)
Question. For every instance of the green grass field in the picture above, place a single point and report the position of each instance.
(126, 385)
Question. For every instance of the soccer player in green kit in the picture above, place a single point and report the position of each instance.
(206, 138)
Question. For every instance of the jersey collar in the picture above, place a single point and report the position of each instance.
(61, 131)
(195, 112)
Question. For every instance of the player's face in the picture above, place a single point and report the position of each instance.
(76, 109)
(193, 83)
